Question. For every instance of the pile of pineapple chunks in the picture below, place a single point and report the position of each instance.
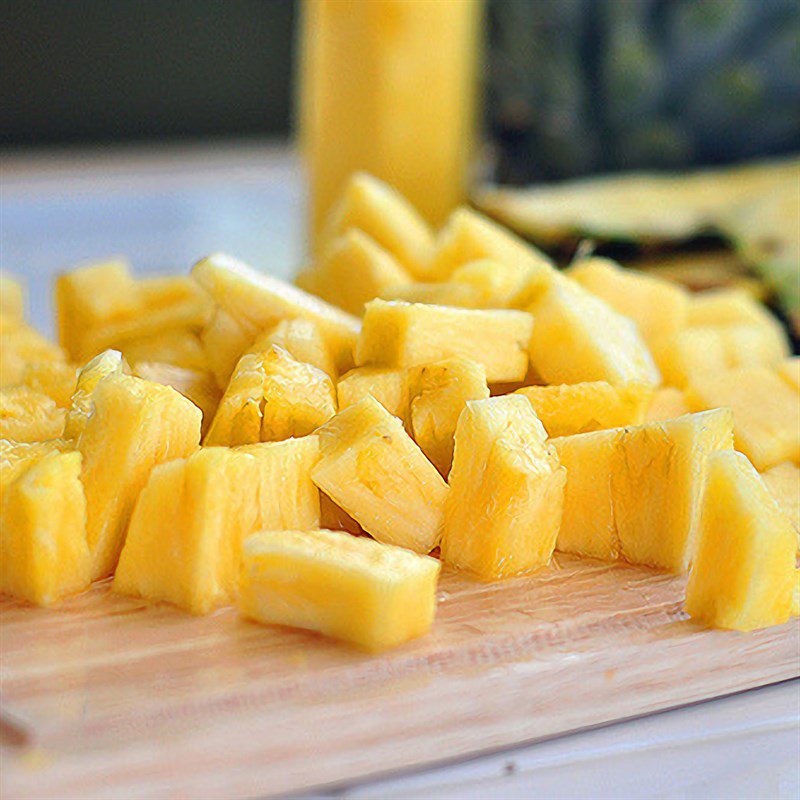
(228, 438)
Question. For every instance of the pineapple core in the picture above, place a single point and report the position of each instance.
(371, 468)
(396, 334)
(388, 386)
(270, 397)
(44, 555)
(506, 491)
(744, 573)
(352, 588)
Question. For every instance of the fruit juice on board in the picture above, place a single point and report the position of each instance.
(388, 87)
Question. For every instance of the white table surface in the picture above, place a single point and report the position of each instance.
(166, 207)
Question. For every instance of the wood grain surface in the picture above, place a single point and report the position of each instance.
(109, 697)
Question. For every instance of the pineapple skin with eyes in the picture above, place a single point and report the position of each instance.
(504, 507)
(439, 392)
(29, 416)
(744, 574)
(397, 334)
(387, 385)
(44, 555)
(371, 468)
(135, 425)
(567, 409)
(372, 595)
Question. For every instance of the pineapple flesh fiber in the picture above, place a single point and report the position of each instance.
(744, 574)
(783, 482)
(371, 468)
(302, 340)
(29, 416)
(397, 334)
(55, 379)
(372, 595)
(89, 376)
(504, 507)
(44, 555)
(388, 386)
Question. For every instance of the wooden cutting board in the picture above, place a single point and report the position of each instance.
(108, 697)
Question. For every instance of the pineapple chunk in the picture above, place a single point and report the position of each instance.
(29, 416)
(179, 347)
(469, 236)
(134, 426)
(44, 555)
(371, 468)
(658, 307)
(448, 293)
(254, 302)
(107, 363)
(783, 482)
(577, 337)
(789, 370)
(271, 397)
(54, 378)
(766, 411)
(224, 341)
(21, 345)
(581, 407)
(12, 298)
(382, 213)
(388, 386)
(667, 403)
(352, 588)
(398, 334)
(438, 393)
(302, 340)
(497, 283)
(503, 510)
(335, 518)
(744, 574)
(353, 270)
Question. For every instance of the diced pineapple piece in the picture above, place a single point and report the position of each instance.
(44, 555)
(335, 518)
(302, 340)
(667, 403)
(783, 482)
(29, 416)
(766, 411)
(386, 217)
(789, 370)
(469, 236)
(372, 595)
(179, 347)
(199, 387)
(503, 510)
(353, 270)
(396, 334)
(12, 298)
(54, 378)
(371, 468)
(271, 396)
(107, 363)
(580, 407)
(577, 337)
(20, 346)
(255, 302)
(497, 283)
(224, 342)
(439, 392)
(448, 293)
(658, 307)
(744, 573)
(134, 426)
(388, 386)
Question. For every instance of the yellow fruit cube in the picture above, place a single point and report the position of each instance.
(224, 342)
(744, 574)
(29, 416)
(370, 467)
(352, 588)
(134, 426)
(496, 283)
(581, 407)
(353, 270)
(439, 392)
(388, 386)
(577, 337)
(44, 555)
(12, 298)
(335, 518)
(270, 397)
(789, 370)
(658, 307)
(302, 340)
(396, 334)
(107, 363)
(54, 378)
(783, 482)
(469, 236)
(256, 302)
(503, 510)
(448, 293)
(20, 346)
(180, 347)
(386, 217)
(766, 411)
(666, 403)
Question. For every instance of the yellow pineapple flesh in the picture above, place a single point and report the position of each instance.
(396, 334)
(439, 392)
(783, 482)
(22, 346)
(302, 340)
(372, 595)
(504, 507)
(29, 416)
(447, 293)
(744, 574)
(789, 370)
(571, 408)
(371, 468)
(54, 378)
(666, 403)
(181, 348)
(89, 376)
(12, 297)
(387, 385)
(497, 283)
